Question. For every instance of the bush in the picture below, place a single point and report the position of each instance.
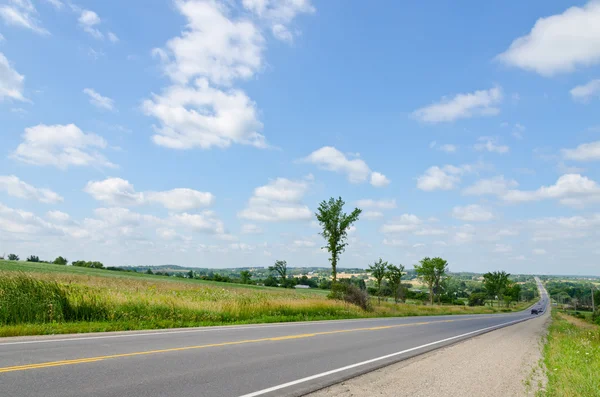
(13, 257)
(596, 317)
(60, 261)
(350, 293)
(477, 299)
(33, 258)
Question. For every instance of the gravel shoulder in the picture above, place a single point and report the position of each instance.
(501, 363)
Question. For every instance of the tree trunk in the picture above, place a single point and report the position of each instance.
(431, 295)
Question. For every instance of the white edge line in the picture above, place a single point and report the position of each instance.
(226, 328)
(334, 371)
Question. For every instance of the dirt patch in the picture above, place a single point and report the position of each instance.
(577, 321)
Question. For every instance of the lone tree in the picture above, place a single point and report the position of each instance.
(379, 271)
(335, 224)
(432, 272)
(394, 276)
(13, 257)
(245, 275)
(60, 261)
(280, 267)
(496, 284)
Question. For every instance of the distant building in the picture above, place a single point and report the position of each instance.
(301, 286)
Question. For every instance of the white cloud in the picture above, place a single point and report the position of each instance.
(117, 191)
(492, 186)
(444, 178)
(11, 82)
(570, 189)
(16, 221)
(472, 213)
(88, 20)
(277, 201)
(372, 215)
(393, 242)
(379, 180)
(205, 222)
(98, 100)
(250, 228)
(490, 144)
(15, 187)
(503, 248)
(403, 223)
(559, 43)
(279, 14)
(58, 216)
(377, 204)
(518, 130)
(203, 116)
(56, 4)
(112, 37)
(448, 148)
(22, 13)
(304, 243)
(61, 146)
(584, 152)
(586, 91)
(478, 103)
(357, 171)
(428, 231)
(539, 251)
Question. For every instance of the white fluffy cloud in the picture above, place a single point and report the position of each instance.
(372, 215)
(89, 20)
(490, 144)
(279, 14)
(61, 146)
(98, 100)
(377, 204)
(472, 213)
(16, 221)
(570, 189)
(559, 43)
(357, 170)
(250, 228)
(584, 152)
(279, 200)
(117, 191)
(444, 178)
(22, 13)
(403, 223)
(478, 103)
(586, 91)
(203, 116)
(11, 82)
(15, 187)
(492, 186)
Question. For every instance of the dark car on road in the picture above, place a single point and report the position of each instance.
(535, 311)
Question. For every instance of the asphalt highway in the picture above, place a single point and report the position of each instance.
(289, 359)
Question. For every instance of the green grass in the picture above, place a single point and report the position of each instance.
(572, 358)
(38, 298)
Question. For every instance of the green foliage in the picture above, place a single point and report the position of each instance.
(280, 268)
(335, 224)
(351, 294)
(477, 299)
(13, 257)
(496, 284)
(149, 271)
(33, 258)
(245, 276)
(378, 270)
(394, 275)
(91, 265)
(60, 261)
(432, 271)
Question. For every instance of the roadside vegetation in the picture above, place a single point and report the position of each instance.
(572, 357)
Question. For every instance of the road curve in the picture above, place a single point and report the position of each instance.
(289, 359)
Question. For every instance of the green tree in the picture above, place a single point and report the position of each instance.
(13, 257)
(495, 284)
(379, 271)
(33, 258)
(335, 224)
(149, 271)
(190, 274)
(432, 271)
(280, 267)
(245, 275)
(394, 276)
(60, 261)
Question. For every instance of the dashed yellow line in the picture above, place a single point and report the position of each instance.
(177, 349)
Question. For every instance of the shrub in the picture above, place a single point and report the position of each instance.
(350, 293)
(596, 317)
(60, 261)
(477, 299)
(33, 258)
(13, 257)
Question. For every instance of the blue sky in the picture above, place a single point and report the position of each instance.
(205, 133)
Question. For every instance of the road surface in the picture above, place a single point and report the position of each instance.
(261, 360)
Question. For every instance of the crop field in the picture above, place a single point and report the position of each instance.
(40, 298)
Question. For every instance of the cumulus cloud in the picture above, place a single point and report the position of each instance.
(472, 213)
(559, 43)
(279, 14)
(403, 223)
(491, 186)
(570, 189)
(490, 144)
(442, 178)
(61, 146)
(98, 100)
(11, 82)
(377, 204)
(23, 14)
(15, 187)
(88, 21)
(279, 200)
(15, 221)
(586, 91)
(356, 170)
(478, 103)
(117, 191)
(372, 215)
(250, 228)
(584, 152)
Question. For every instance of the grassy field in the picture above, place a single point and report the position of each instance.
(572, 357)
(37, 298)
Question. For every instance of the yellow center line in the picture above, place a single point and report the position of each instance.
(240, 342)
